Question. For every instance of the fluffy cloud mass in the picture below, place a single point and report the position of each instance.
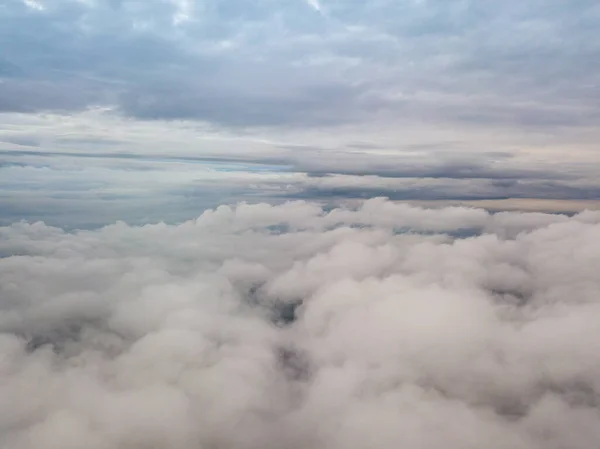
(258, 326)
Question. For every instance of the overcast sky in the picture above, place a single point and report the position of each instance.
(300, 224)
(186, 104)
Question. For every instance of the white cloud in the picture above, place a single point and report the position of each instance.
(161, 336)
(184, 10)
(314, 4)
(33, 4)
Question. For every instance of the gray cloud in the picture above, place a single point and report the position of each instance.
(22, 140)
(167, 336)
(318, 162)
(92, 189)
(516, 64)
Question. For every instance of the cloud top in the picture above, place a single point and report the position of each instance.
(403, 327)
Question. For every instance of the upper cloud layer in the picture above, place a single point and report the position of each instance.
(395, 333)
(413, 100)
(239, 64)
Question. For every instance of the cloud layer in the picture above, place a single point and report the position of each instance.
(262, 326)
(300, 63)
(413, 100)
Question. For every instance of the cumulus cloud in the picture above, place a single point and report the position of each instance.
(259, 326)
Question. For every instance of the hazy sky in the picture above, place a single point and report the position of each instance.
(187, 104)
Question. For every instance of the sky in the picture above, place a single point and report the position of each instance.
(310, 224)
(178, 105)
